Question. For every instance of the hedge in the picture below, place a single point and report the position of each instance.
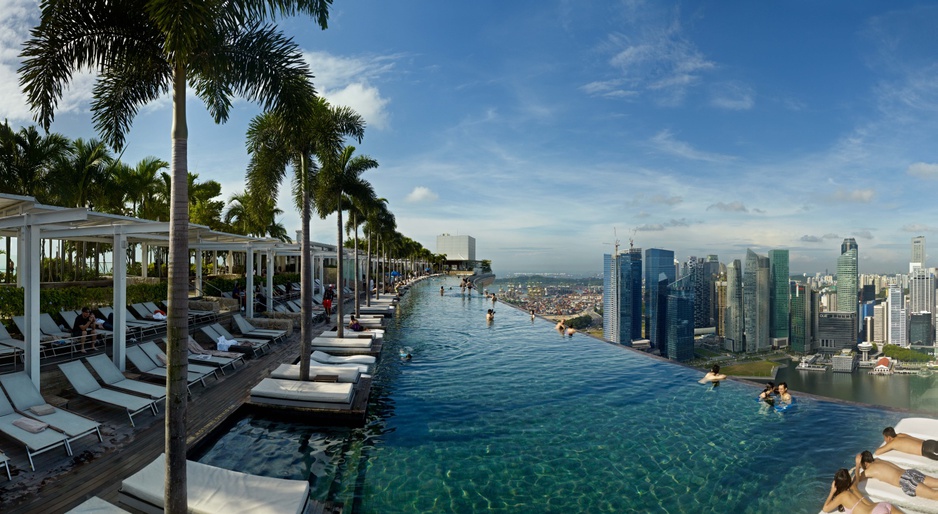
(71, 298)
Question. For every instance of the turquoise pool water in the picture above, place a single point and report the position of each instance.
(511, 417)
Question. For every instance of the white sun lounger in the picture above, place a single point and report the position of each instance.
(95, 505)
(157, 355)
(879, 491)
(24, 395)
(922, 428)
(326, 395)
(249, 330)
(292, 372)
(85, 385)
(112, 377)
(343, 343)
(342, 359)
(36, 443)
(212, 490)
(145, 365)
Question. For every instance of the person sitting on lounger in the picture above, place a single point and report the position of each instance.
(912, 481)
(354, 324)
(846, 497)
(84, 327)
(907, 444)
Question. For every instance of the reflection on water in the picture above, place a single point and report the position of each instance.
(898, 391)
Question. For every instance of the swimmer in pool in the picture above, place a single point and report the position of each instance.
(713, 375)
(561, 326)
(490, 316)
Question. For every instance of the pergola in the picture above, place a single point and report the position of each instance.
(31, 222)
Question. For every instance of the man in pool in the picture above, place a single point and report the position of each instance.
(912, 481)
(907, 444)
(713, 376)
(561, 326)
(783, 395)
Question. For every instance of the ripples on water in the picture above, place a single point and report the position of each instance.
(511, 417)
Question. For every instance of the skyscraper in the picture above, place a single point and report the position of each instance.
(921, 290)
(680, 319)
(659, 273)
(918, 252)
(733, 324)
(802, 329)
(756, 302)
(779, 305)
(897, 322)
(611, 298)
(847, 299)
(622, 296)
(921, 331)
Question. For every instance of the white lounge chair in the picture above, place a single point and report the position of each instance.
(95, 505)
(111, 376)
(249, 330)
(342, 359)
(145, 365)
(322, 395)
(86, 386)
(212, 490)
(343, 374)
(220, 360)
(25, 396)
(35, 443)
(157, 355)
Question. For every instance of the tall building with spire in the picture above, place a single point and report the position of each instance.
(756, 302)
(779, 294)
(733, 321)
(659, 274)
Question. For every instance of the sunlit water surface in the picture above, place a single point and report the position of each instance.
(511, 417)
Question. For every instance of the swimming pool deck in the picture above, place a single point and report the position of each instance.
(97, 469)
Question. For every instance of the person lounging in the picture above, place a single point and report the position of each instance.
(845, 497)
(907, 444)
(912, 481)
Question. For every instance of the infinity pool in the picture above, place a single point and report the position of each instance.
(511, 417)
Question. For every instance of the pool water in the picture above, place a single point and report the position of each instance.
(512, 417)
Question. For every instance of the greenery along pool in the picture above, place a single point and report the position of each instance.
(511, 417)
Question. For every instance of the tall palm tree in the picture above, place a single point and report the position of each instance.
(277, 142)
(358, 207)
(340, 179)
(141, 50)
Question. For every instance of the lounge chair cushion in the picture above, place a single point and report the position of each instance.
(325, 392)
(42, 410)
(216, 490)
(95, 505)
(292, 372)
(30, 425)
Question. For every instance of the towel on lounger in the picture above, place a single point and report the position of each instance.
(30, 425)
(224, 344)
(42, 410)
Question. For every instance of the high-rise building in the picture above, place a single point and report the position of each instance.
(921, 289)
(659, 273)
(837, 331)
(879, 323)
(897, 322)
(921, 331)
(611, 298)
(756, 302)
(714, 271)
(779, 303)
(720, 309)
(703, 273)
(918, 252)
(847, 298)
(680, 319)
(733, 321)
(802, 326)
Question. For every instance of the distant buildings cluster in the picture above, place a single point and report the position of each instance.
(651, 300)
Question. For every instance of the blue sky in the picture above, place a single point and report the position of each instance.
(541, 127)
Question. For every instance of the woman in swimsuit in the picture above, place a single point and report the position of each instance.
(844, 492)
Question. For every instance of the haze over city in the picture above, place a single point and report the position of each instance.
(540, 127)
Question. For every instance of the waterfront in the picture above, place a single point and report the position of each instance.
(511, 417)
(897, 391)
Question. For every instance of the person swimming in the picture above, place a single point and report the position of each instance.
(532, 315)
(406, 353)
(713, 375)
(490, 315)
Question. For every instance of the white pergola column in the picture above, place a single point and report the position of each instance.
(270, 280)
(19, 269)
(198, 272)
(120, 302)
(249, 283)
(28, 278)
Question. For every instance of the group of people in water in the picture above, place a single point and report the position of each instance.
(563, 328)
(845, 496)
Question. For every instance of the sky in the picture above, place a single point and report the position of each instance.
(550, 129)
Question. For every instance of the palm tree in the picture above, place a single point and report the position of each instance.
(141, 50)
(339, 180)
(276, 142)
(358, 207)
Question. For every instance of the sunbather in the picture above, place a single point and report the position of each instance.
(912, 481)
(907, 444)
(843, 493)
(84, 327)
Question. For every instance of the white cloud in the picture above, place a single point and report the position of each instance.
(735, 206)
(732, 96)
(349, 81)
(421, 194)
(923, 170)
(918, 228)
(855, 195)
(666, 142)
(862, 234)
(811, 239)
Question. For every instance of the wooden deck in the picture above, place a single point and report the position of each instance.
(96, 469)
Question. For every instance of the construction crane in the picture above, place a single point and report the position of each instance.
(616, 244)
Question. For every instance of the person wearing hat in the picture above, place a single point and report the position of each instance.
(327, 300)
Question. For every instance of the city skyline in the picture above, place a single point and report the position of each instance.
(546, 129)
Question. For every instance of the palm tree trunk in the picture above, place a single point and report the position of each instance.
(368, 273)
(306, 278)
(338, 276)
(177, 323)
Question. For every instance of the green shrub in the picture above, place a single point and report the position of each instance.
(905, 354)
(70, 298)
